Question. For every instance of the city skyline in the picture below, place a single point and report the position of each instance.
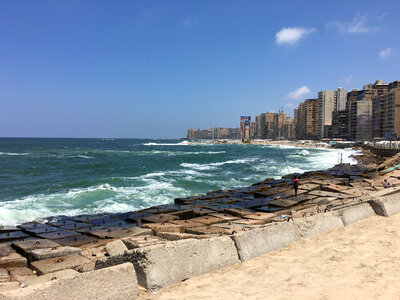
(151, 69)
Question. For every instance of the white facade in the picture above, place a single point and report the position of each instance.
(341, 99)
(326, 105)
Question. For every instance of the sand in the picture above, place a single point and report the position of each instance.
(360, 261)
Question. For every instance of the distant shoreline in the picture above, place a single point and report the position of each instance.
(303, 144)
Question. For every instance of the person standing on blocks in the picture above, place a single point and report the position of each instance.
(295, 185)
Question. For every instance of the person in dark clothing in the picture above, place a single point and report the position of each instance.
(295, 185)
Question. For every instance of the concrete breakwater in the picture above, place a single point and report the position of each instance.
(98, 256)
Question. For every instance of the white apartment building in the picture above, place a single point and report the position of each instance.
(326, 105)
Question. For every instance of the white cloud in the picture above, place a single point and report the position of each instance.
(357, 25)
(385, 53)
(299, 93)
(189, 21)
(291, 35)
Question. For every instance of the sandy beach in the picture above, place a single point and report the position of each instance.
(360, 261)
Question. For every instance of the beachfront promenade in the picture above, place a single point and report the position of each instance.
(76, 256)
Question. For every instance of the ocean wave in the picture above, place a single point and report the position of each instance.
(93, 199)
(212, 166)
(184, 143)
(178, 153)
(13, 153)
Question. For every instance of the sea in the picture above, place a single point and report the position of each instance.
(42, 177)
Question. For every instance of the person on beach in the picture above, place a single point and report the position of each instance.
(295, 185)
(387, 184)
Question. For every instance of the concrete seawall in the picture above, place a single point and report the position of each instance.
(122, 259)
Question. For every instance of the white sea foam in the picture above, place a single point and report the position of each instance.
(184, 143)
(161, 186)
(13, 153)
(304, 152)
(212, 166)
(93, 199)
(178, 153)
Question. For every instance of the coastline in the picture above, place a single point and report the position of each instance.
(300, 144)
(230, 219)
(170, 170)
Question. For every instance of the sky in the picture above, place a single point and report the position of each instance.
(153, 69)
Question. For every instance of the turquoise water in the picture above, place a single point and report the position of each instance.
(43, 177)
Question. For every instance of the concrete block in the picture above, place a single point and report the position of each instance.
(318, 224)
(58, 264)
(115, 248)
(13, 260)
(32, 280)
(118, 282)
(356, 213)
(76, 241)
(12, 235)
(260, 216)
(5, 249)
(109, 261)
(158, 227)
(142, 241)
(160, 218)
(29, 245)
(386, 206)
(214, 229)
(46, 253)
(224, 217)
(4, 276)
(17, 273)
(208, 220)
(175, 236)
(58, 234)
(256, 242)
(161, 265)
(116, 232)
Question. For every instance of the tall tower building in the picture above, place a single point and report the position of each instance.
(341, 99)
(326, 105)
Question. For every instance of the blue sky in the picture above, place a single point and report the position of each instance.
(155, 68)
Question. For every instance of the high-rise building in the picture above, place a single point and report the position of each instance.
(386, 112)
(226, 133)
(245, 127)
(274, 126)
(340, 124)
(341, 99)
(306, 117)
(361, 113)
(326, 105)
(199, 134)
